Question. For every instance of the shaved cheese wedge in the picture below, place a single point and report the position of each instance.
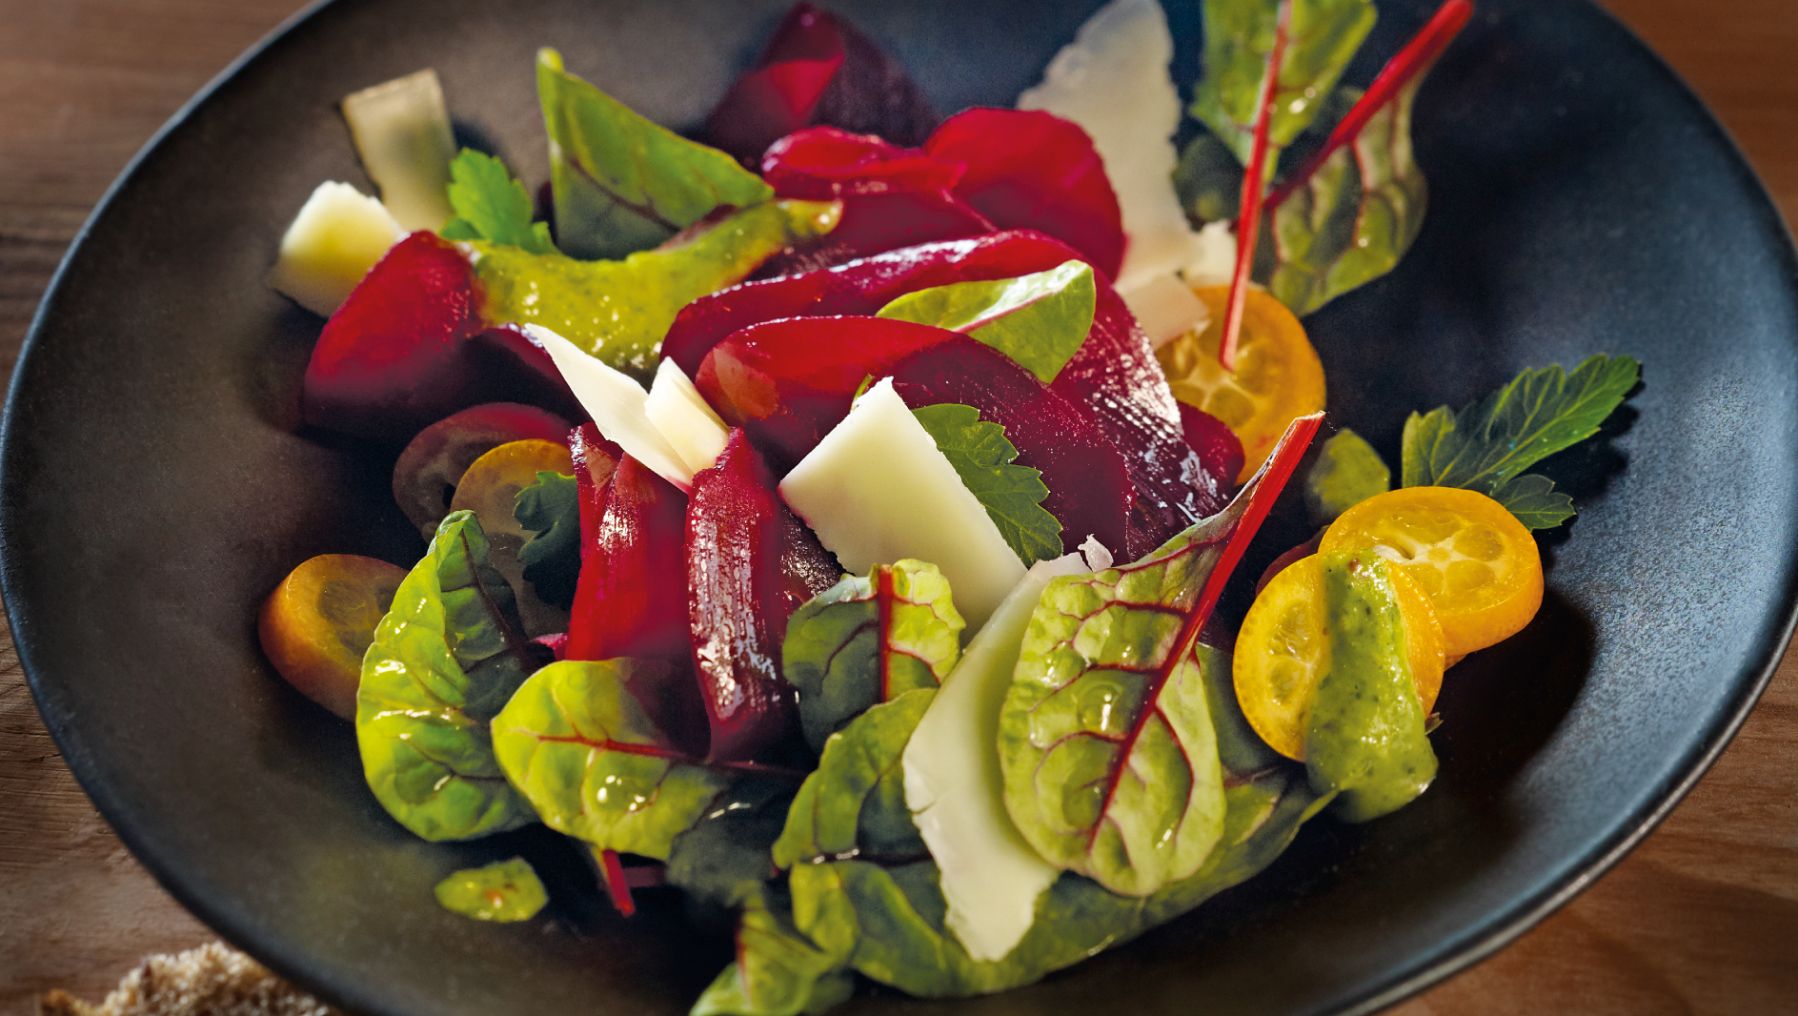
(337, 236)
(877, 490)
(1167, 309)
(1113, 81)
(401, 129)
(685, 420)
(616, 402)
(990, 876)
(1214, 260)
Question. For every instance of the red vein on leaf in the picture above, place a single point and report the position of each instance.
(1411, 61)
(1262, 491)
(1254, 186)
(885, 589)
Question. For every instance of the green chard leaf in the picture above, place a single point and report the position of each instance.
(585, 752)
(854, 803)
(1365, 738)
(1106, 740)
(444, 660)
(867, 640)
(1347, 471)
(491, 205)
(619, 310)
(1040, 320)
(726, 857)
(1487, 445)
(778, 971)
(550, 510)
(1239, 36)
(504, 892)
(621, 182)
(986, 461)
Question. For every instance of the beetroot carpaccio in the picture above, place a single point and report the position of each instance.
(911, 458)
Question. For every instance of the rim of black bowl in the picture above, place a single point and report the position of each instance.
(1449, 958)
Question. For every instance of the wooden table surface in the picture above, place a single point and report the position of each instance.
(1703, 917)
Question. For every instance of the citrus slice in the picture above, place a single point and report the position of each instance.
(1277, 377)
(490, 489)
(318, 622)
(1478, 565)
(1283, 650)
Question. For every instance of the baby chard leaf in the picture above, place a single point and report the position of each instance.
(550, 511)
(580, 746)
(868, 640)
(1347, 471)
(986, 461)
(444, 660)
(1038, 320)
(853, 805)
(1487, 446)
(727, 855)
(1322, 37)
(778, 971)
(1106, 740)
(622, 183)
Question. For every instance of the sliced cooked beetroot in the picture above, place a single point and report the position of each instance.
(425, 474)
(1090, 490)
(1218, 447)
(1114, 374)
(788, 382)
(874, 220)
(408, 347)
(818, 69)
(747, 560)
(815, 163)
(1026, 169)
(631, 598)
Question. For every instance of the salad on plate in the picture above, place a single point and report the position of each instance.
(829, 515)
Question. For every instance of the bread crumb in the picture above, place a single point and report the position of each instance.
(213, 980)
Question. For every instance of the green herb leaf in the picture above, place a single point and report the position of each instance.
(1208, 180)
(1040, 320)
(550, 510)
(444, 660)
(1347, 471)
(619, 310)
(889, 919)
(578, 745)
(1486, 446)
(854, 803)
(621, 182)
(727, 855)
(778, 971)
(504, 892)
(1365, 738)
(867, 640)
(986, 461)
(1239, 36)
(490, 205)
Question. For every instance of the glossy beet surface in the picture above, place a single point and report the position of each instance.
(1580, 201)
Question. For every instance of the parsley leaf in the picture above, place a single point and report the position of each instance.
(490, 205)
(1038, 320)
(1486, 446)
(985, 459)
(550, 509)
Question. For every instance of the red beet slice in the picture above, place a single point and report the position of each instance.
(750, 564)
(876, 219)
(1114, 374)
(631, 599)
(426, 472)
(1218, 447)
(814, 163)
(788, 382)
(408, 347)
(1026, 169)
(818, 69)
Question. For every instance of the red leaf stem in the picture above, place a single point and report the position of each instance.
(611, 872)
(1400, 71)
(1254, 186)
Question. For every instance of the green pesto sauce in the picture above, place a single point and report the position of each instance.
(504, 891)
(1366, 736)
(619, 310)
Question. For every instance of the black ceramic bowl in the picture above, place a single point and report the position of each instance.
(156, 486)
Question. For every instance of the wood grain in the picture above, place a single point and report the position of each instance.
(1702, 918)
